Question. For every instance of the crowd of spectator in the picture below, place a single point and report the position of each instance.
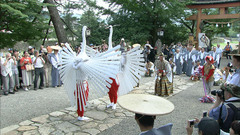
(23, 70)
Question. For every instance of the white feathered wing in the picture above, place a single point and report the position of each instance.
(67, 72)
(132, 68)
(96, 70)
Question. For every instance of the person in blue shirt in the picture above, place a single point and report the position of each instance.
(221, 110)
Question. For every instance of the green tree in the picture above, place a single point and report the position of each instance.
(71, 23)
(24, 21)
(89, 18)
(96, 26)
(57, 22)
(141, 19)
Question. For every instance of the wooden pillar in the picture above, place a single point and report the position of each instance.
(198, 25)
(222, 11)
(239, 47)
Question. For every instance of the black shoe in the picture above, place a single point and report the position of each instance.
(35, 88)
(40, 87)
(12, 92)
(5, 93)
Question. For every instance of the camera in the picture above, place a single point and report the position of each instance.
(205, 114)
(191, 122)
(40, 55)
(219, 92)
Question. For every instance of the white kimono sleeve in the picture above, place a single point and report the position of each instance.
(156, 74)
(181, 60)
(194, 58)
(174, 69)
(169, 72)
(152, 67)
(54, 62)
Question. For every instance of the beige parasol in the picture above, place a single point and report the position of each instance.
(146, 104)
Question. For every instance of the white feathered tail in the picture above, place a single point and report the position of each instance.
(132, 70)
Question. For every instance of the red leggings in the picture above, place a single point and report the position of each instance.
(113, 91)
(79, 112)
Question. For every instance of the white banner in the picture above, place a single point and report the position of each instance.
(203, 40)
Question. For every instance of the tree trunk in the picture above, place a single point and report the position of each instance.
(49, 22)
(57, 22)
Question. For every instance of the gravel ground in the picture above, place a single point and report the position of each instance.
(25, 105)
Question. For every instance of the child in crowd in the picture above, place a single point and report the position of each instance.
(197, 71)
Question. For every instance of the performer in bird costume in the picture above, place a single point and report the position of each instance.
(131, 69)
(81, 73)
(114, 86)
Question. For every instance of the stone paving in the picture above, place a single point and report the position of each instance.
(64, 122)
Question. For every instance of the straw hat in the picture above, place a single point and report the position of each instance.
(56, 47)
(146, 104)
(136, 45)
